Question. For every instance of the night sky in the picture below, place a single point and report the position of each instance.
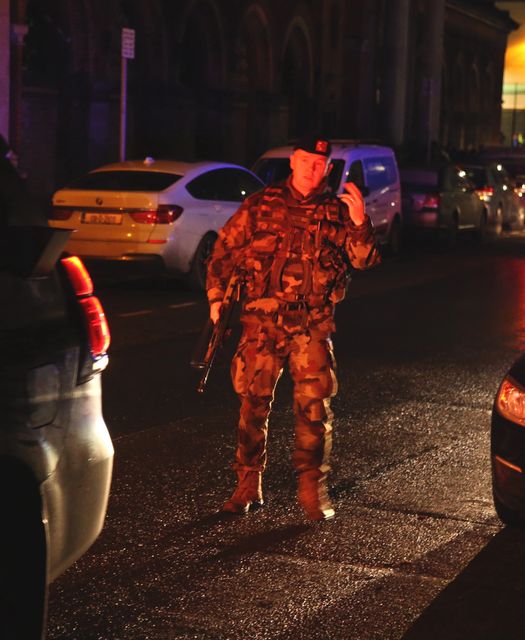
(515, 57)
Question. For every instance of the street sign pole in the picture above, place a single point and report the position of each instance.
(123, 105)
(127, 53)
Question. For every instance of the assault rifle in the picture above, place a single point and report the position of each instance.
(213, 335)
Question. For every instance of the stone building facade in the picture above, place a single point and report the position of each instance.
(226, 79)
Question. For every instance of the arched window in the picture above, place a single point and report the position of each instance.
(488, 95)
(473, 89)
(297, 80)
(458, 84)
(201, 54)
(335, 23)
(46, 47)
(254, 64)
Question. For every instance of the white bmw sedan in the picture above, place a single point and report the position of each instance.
(162, 211)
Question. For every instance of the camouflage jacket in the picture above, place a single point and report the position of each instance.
(291, 249)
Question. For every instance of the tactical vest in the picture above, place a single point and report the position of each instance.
(307, 240)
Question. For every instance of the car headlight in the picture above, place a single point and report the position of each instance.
(510, 401)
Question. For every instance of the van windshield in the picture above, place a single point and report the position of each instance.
(272, 170)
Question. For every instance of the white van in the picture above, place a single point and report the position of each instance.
(372, 168)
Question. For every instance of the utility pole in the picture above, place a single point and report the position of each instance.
(127, 53)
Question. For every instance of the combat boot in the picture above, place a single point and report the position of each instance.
(248, 494)
(313, 495)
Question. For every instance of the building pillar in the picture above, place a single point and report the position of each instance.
(18, 33)
(5, 89)
(395, 70)
(431, 70)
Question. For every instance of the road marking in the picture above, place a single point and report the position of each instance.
(129, 314)
(182, 304)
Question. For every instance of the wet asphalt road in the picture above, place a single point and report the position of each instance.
(415, 551)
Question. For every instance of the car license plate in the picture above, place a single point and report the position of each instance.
(102, 218)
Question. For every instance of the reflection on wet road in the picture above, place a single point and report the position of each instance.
(415, 550)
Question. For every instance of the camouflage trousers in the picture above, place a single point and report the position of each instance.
(263, 351)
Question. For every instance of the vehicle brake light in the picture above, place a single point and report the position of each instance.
(431, 201)
(510, 402)
(96, 324)
(144, 217)
(78, 275)
(485, 194)
(165, 214)
(60, 213)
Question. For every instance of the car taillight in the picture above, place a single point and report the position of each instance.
(60, 213)
(96, 324)
(510, 401)
(164, 214)
(78, 275)
(485, 194)
(167, 213)
(431, 201)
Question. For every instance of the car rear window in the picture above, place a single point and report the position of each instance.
(227, 184)
(514, 168)
(125, 181)
(477, 175)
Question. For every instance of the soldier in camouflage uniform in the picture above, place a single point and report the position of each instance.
(295, 243)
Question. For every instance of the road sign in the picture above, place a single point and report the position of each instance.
(128, 43)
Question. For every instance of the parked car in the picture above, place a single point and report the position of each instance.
(159, 211)
(508, 446)
(56, 454)
(497, 190)
(372, 168)
(514, 162)
(441, 199)
(513, 159)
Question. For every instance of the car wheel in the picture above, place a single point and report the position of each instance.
(520, 222)
(199, 264)
(483, 226)
(395, 240)
(453, 232)
(506, 515)
(498, 222)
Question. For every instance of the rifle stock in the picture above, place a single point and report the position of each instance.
(213, 335)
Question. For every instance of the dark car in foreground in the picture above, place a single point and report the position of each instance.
(508, 446)
(441, 199)
(56, 454)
